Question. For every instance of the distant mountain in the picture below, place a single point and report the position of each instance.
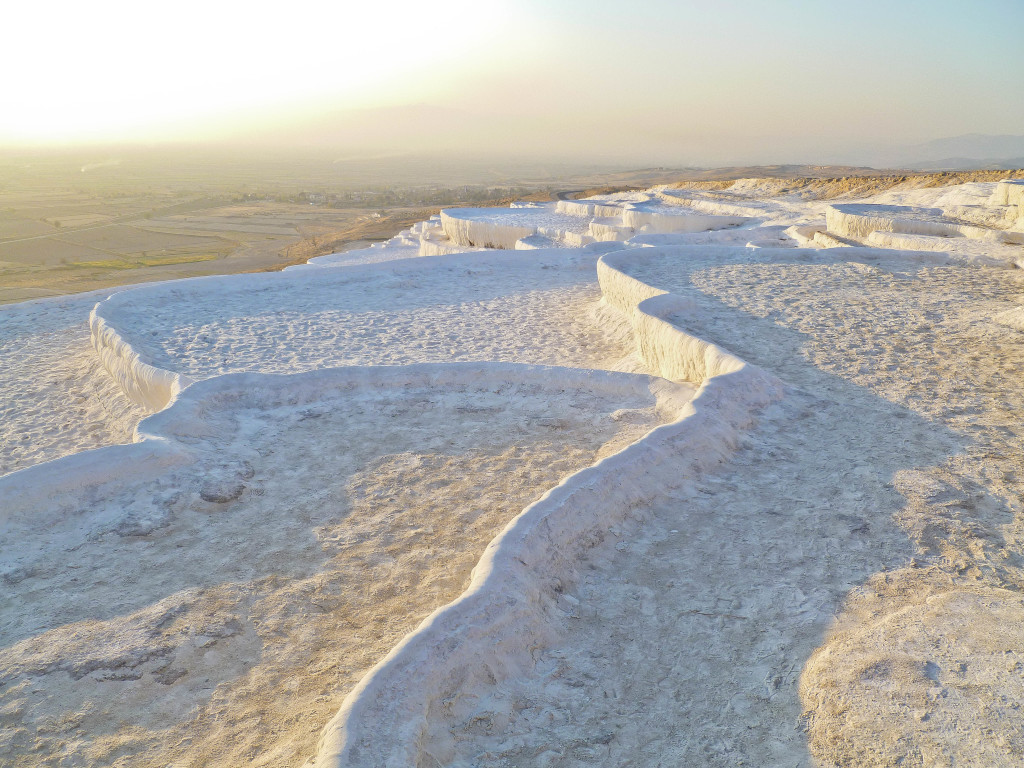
(429, 130)
(969, 164)
(972, 150)
(973, 145)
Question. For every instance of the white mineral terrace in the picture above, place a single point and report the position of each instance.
(1010, 192)
(576, 223)
(860, 221)
(668, 477)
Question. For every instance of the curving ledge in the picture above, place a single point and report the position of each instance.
(860, 220)
(153, 388)
(489, 632)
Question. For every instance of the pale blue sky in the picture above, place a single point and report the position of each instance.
(710, 80)
(796, 73)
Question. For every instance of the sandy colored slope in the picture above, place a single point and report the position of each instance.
(825, 186)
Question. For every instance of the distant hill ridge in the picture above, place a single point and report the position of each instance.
(971, 150)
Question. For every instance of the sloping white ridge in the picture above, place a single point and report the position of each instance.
(488, 633)
(859, 221)
(575, 223)
(396, 715)
(151, 387)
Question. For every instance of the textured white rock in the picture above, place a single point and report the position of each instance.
(208, 460)
(1010, 192)
(484, 227)
(668, 221)
(804, 236)
(463, 306)
(524, 577)
(151, 387)
(591, 208)
(721, 205)
(607, 230)
(828, 240)
(534, 243)
(902, 241)
(576, 223)
(488, 633)
(858, 221)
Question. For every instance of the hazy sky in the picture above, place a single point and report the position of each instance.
(677, 80)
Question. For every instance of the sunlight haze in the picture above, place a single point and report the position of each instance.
(661, 81)
(120, 70)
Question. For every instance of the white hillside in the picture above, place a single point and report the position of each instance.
(683, 476)
(575, 223)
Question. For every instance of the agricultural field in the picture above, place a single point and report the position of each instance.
(74, 221)
(59, 243)
(70, 222)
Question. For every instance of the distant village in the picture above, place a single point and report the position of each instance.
(390, 197)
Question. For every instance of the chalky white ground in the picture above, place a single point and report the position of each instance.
(844, 590)
(55, 397)
(695, 640)
(427, 310)
(217, 613)
(138, 613)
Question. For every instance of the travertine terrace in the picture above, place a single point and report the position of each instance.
(681, 476)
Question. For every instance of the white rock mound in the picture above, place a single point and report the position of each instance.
(576, 223)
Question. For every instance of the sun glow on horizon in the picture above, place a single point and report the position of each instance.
(665, 81)
(117, 70)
